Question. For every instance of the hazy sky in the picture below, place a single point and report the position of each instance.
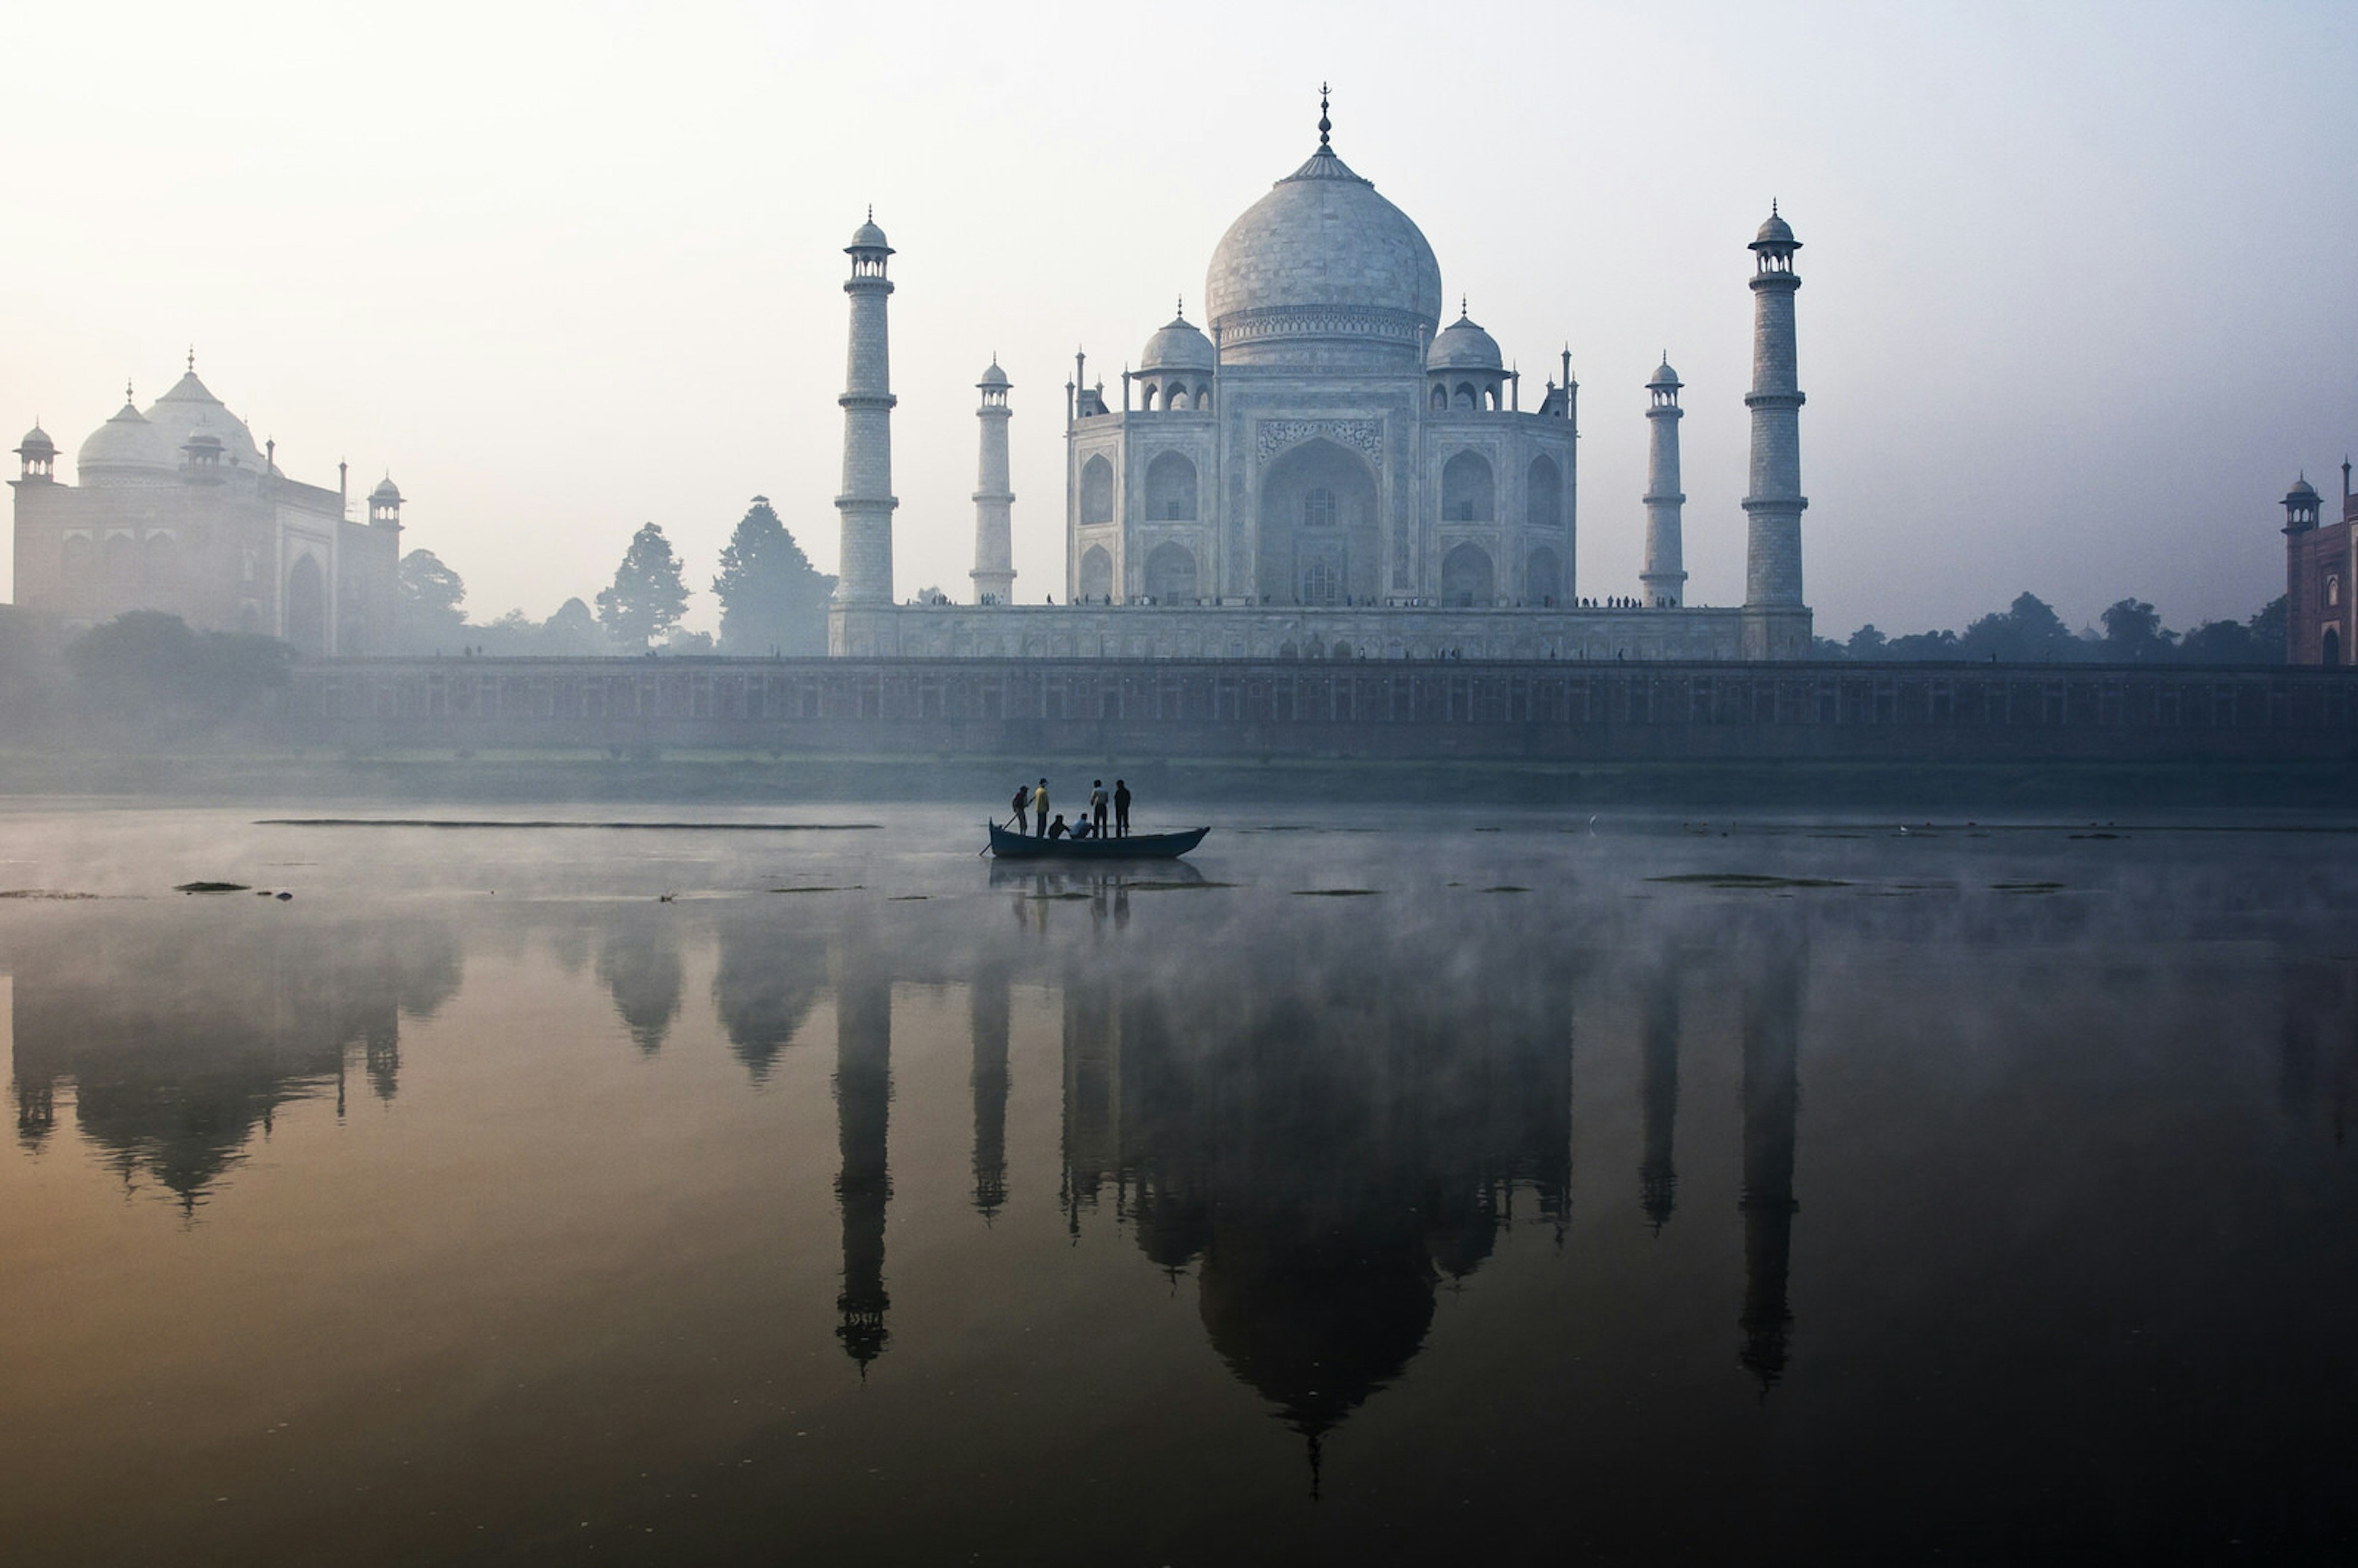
(2078, 294)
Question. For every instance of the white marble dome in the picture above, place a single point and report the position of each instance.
(1464, 346)
(127, 449)
(1322, 260)
(1179, 346)
(188, 409)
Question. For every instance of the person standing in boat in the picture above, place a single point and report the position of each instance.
(1022, 800)
(1121, 810)
(1040, 808)
(1097, 801)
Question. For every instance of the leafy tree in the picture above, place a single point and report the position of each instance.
(648, 597)
(770, 597)
(147, 665)
(2221, 643)
(2271, 632)
(2027, 632)
(574, 633)
(1919, 646)
(1867, 643)
(2133, 633)
(427, 614)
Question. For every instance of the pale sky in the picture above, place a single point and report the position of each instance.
(2077, 299)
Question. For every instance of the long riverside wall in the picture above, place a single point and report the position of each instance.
(1406, 709)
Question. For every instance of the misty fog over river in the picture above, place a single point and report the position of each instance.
(1370, 1186)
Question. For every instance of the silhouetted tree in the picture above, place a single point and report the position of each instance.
(2270, 630)
(2221, 643)
(770, 595)
(574, 633)
(1867, 643)
(2027, 632)
(2133, 634)
(648, 596)
(148, 666)
(427, 614)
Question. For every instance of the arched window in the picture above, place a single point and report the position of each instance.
(1170, 487)
(1318, 508)
(2332, 590)
(1203, 395)
(1096, 574)
(1466, 491)
(1321, 583)
(1466, 395)
(1146, 400)
(2332, 646)
(1097, 491)
(1171, 574)
(1177, 403)
(1544, 577)
(1544, 493)
(1467, 577)
(306, 608)
(1440, 396)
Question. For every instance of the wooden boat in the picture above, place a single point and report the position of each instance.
(1011, 846)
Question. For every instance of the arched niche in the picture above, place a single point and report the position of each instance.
(1468, 493)
(306, 608)
(1317, 526)
(1171, 574)
(1543, 578)
(1543, 493)
(1096, 574)
(1171, 488)
(1467, 577)
(77, 559)
(1097, 491)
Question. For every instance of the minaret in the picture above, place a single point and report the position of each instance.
(1665, 576)
(1776, 622)
(994, 560)
(867, 504)
(863, 1112)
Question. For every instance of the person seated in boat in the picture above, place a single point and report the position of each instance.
(1084, 829)
(1057, 830)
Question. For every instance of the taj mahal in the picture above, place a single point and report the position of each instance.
(1329, 472)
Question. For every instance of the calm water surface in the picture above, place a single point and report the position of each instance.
(1367, 1190)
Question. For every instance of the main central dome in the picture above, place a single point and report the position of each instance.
(1322, 270)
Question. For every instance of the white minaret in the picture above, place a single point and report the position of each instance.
(994, 558)
(866, 504)
(1665, 576)
(1776, 622)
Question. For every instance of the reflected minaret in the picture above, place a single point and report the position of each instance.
(863, 1110)
(989, 999)
(1092, 1098)
(1772, 1031)
(1658, 1176)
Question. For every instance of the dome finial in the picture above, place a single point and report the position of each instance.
(1772, 207)
(192, 358)
(1325, 124)
(126, 391)
(1179, 307)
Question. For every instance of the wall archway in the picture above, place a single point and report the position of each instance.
(1317, 511)
(2333, 645)
(1543, 493)
(1468, 493)
(1171, 488)
(1171, 574)
(1097, 491)
(1467, 577)
(1543, 578)
(306, 608)
(1096, 574)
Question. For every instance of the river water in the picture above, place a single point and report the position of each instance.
(1367, 1188)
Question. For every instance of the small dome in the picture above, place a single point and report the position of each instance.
(1462, 345)
(125, 448)
(386, 492)
(1665, 379)
(203, 441)
(1774, 231)
(994, 378)
(2301, 490)
(868, 237)
(37, 444)
(1179, 346)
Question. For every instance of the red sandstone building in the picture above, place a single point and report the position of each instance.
(2321, 573)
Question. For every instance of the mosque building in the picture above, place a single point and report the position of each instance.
(2321, 576)
(1328, 472)
(178, 511)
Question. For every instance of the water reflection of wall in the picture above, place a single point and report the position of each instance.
(179, 1044)
(1772, 1031)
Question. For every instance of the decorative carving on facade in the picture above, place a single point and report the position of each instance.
(1366, 436)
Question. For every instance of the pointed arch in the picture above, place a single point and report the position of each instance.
(1097, 490)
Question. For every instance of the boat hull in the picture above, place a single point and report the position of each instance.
(1009, 846)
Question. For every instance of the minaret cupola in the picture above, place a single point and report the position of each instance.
(384, 504)
(38, 454)
(1463, 370)
(2301, 504)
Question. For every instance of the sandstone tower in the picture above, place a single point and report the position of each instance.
(1776, 622)
(1665, 576)
(866, 504)
(994, 560)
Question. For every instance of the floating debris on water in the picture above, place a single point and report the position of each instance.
(1170, 886)
(213, 887)
(854, 887)
(1748, 882)
(2025, 887)
(47, 894)
(1336, 892)
(1506, 887)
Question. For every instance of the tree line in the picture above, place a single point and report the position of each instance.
(2028, 632)
(773, 601)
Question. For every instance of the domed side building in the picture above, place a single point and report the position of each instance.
(178, 511)
(1327, 468)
